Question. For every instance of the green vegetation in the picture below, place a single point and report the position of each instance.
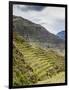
(22, 73)
(58, 78)
(31, 65)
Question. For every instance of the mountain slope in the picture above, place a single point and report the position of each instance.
(61, 35)
(60, 77)
(36, 33)
(22, 73)
(31, 65)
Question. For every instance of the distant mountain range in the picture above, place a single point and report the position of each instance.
(61, 35)
(36, 33)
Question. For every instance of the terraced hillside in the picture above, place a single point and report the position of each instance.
(33, 65)
(22, 73)
(58, 78)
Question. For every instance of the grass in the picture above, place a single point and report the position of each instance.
(58, 78)
(33, 64)
(22, 72)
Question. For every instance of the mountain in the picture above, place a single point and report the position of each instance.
(61, 35)
(35, 65)
(36, 33)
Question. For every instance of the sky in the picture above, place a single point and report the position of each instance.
(51, 18)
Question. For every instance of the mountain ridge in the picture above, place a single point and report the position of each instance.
(61, 35)
(36, 33)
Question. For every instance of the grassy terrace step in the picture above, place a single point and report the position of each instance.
(45, 67)
(41, 65)
(34, 64)
(42, 62)
(58, 78)
(43, 74)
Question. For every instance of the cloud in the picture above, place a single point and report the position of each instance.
(52, 18)
(30, 7)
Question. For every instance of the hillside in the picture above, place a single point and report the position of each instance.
(36, 33)
(60, 77)
(22, 73)
(31, 65)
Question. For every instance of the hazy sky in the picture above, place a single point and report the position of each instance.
(52, 18)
